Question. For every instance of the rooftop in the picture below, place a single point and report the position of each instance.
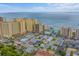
(43, 53)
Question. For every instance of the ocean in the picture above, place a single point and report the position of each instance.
(48, 18)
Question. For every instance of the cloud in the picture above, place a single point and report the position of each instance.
(66, 7)
(57, 7)
(7, 8)
(50, 7)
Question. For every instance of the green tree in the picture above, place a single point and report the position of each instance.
(49, 48)
(71, 53)
(8, 50)
(11, 50)
(54, 38)
(58, 32)
(62, 53)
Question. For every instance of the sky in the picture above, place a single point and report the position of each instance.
(39, 7)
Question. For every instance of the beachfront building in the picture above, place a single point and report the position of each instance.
(30, 23)
(0, 29)
(15, 28)
(77, 34)
(5, 29)
(70, 33)
(10, 28)
(41, 28)
(46, 27)
(1, 19)
(64, 31)
(36, 28)
(22, 25)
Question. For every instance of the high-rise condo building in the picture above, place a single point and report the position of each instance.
(46, 27)
(15, 28)
(10, 28)
(77, 34)
(64, 31)
(41, 28)
(71, 33)
(19, 26)
(5, 29)
(22, 25)
(68, 32)
(1, 19)
(30, 23)
(36, 28)
(0, 29)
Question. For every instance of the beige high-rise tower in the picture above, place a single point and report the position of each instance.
(77, 34)
(0, 29)
(15, 28)
(5, 29)
(64, 31)
(1, 20)
(30, 23)
(22, 25)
